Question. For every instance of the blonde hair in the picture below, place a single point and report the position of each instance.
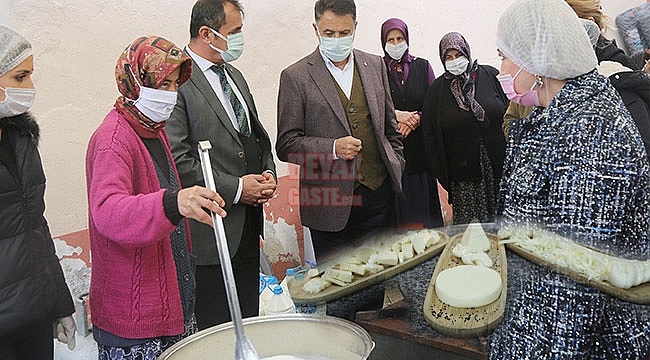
(591, 9)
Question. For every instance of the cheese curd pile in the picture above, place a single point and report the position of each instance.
(594, 265)
(473, 246)
(371, 259)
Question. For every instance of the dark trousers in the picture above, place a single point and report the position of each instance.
(31, 342)
(369, 216)
(211, 300)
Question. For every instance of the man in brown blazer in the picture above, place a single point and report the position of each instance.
(336, 120)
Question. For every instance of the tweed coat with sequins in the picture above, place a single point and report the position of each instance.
(579, 168)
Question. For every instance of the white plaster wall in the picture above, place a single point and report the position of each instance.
(76, 43)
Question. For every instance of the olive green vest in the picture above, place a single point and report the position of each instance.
(372, 171)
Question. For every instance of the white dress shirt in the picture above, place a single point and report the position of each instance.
(215, 83)
(344, 78)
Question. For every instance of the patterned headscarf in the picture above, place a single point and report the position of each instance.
(392, 64)
(462, 86)
(151, 59)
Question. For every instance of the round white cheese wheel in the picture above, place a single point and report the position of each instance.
(468, 286)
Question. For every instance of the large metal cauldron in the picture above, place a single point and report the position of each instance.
(310, 337)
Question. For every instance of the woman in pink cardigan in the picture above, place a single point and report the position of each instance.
(142, 285)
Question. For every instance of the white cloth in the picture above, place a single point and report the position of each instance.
(609, 68)
(546, 38)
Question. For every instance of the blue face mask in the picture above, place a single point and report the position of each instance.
(235, 46)
(336, 49)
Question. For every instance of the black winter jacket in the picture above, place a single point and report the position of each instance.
(634, 88)
(410, 99)
(607, 50)
(32, 285)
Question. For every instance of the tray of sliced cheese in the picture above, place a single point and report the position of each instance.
(627, 280)
(467, 293)
(373, 260)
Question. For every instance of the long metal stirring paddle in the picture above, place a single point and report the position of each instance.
(244, 350)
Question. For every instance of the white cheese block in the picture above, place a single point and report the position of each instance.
(359, 269)
(431, 238)
(374, 268)
(328, 277)
(475, 239)
(418, 244)
(387, 258)
(315, 285)
(396, 247)
(313, 272)
(477, 258)
(468, 286)
(407, 249)
(459, 250)
(344, 266)
(343, 275)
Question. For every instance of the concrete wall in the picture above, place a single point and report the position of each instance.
(76, 43)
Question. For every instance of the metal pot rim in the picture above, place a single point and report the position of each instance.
(320, 319)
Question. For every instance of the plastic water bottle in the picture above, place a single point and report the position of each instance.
(280, 303)
(266, 293)
(293, 275)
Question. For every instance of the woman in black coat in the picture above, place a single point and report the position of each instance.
(410, 77)
(33, 292)
(461, 123)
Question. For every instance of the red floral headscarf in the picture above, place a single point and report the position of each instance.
(151, 59)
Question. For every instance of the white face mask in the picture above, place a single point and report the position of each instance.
(457, 67)
(17, 101)
(156, 104)
(336, 49)
(235, 46)
(396, 51)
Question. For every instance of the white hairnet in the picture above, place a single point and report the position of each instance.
(14, 49)
(593, 31)
(545, 37)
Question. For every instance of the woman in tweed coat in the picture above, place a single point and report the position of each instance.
(578, 166)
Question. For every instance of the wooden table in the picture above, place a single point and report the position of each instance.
(394, 336)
